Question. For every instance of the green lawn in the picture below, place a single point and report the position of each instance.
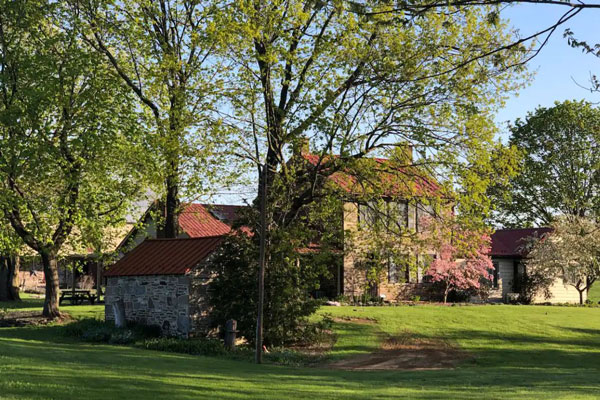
(519, 352)
(594, 293)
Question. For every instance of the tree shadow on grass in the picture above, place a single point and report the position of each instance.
(42, 362)
(23, 303)
(42, 369)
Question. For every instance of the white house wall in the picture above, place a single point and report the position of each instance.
(506, 276)
(561, 293)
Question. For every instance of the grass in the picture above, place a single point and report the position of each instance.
(518, 352)
(33, 302)
(594, 294)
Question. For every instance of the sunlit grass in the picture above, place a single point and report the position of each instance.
(517, 352)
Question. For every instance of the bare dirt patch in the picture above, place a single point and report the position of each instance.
(318, 347)
(355, 320)
(25, 318)
(405, 352)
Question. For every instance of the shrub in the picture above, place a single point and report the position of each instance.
(288, 304)
(199, 346)
(96, 331)
(533, 283)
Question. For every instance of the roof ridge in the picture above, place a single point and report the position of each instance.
(188, 238)
(522, 229)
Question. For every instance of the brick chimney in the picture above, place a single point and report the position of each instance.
(408, 149)
(302, 146)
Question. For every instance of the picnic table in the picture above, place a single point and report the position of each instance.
(77, 296)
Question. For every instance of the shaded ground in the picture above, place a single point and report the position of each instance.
(21, 319)
(518, 352)
(406, 352)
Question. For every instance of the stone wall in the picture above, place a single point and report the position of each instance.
(199, 304)
(159, 300)
(355, 278)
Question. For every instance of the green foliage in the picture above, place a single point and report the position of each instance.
(559, 169)
(571, 252)
(364, 84)
(535, 283)
(72, 151)
(234, 292)
(96, 331)
(171, 70)
(199, 346)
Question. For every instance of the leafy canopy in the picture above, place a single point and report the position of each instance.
(560, 166)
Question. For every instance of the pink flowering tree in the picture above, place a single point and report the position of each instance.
(463, 262)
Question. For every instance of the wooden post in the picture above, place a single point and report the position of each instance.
(261, 268)
(230, 333)
(73, 279)
(99, 267)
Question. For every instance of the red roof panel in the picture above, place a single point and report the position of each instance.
(165, 256)
(423, 185)
(510, 242)
(197, 221)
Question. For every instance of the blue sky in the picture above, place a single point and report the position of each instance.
(558, 65)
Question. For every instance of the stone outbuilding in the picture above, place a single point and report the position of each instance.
(162, 282)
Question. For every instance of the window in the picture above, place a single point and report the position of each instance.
(368, 214)
(398, 266)
(392, 271)
(398, 212)
(423, 211)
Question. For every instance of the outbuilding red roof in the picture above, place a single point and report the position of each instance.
(511, 242)
(165, 256)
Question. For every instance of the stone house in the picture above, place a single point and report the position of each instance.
(410, 193)
(162, 282)
(507, 253)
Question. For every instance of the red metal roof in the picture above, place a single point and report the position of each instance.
(198, 220)
(225, 212)
(510, 242)
(165, 256)
(423, 184)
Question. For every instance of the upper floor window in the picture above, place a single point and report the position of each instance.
(393, 213)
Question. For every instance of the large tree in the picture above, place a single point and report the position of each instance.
(357, 84)
(163, 52)
(560, 166)
(69, 159)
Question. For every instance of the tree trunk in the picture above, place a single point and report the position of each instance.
(172, 208)
(581, 295)
(446, 294)
(51, 303)
(14, 282)
(9, 278)
(169, 208)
